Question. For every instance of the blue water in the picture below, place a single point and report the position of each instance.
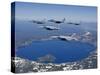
(64, 51)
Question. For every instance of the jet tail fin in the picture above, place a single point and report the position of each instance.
(63, 20)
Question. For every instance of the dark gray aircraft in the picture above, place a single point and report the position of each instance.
(57, 21)
(73, 23)
(38, 22)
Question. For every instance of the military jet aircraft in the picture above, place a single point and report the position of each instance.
(51, 27)
(38, 22)
(57, 21)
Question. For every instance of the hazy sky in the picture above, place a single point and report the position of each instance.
(50, 11)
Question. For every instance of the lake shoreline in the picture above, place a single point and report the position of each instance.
(86, 37)
(25, 66)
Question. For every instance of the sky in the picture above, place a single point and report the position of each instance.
(37, 11)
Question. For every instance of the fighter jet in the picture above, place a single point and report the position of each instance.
(38, 22)
(51, 27)
(74, 23)
(57, 21)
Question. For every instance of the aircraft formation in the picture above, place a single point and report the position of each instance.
(53, 21)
